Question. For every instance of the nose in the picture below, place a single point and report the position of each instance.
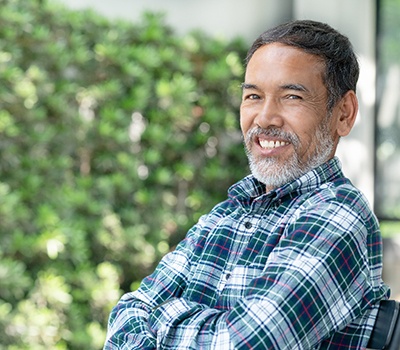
(270, 113)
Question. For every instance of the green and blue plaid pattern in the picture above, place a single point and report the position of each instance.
(297, 268)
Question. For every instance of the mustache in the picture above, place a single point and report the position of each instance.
(272, 132)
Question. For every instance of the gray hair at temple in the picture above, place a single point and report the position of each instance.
(316, 38)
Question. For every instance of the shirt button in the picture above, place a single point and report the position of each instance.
(248, 225)
(227, 276)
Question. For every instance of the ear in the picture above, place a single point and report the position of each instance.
(347, 110)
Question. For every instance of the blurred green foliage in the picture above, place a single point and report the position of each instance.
(388, 45)
(390, 228)
(114, 138)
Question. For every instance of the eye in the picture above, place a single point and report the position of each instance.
(294, 97)
(251, 97)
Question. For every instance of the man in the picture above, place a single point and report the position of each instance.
(292, 259)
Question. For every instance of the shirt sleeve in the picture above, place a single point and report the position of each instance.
(128, 326)
(315, 282)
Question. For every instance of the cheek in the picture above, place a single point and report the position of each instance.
(306, 137)
(309, 142)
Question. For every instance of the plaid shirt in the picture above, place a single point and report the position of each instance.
(296, 268)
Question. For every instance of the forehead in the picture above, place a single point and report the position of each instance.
(283, 62)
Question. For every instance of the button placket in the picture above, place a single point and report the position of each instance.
(224, 280)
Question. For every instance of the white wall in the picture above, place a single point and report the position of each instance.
(225, 18)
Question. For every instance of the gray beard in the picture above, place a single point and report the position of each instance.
(273, 174)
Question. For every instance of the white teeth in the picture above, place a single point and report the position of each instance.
(272, 144)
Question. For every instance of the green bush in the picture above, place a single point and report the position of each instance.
(114, 138)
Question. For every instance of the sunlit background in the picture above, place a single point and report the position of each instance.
(126, 193)
(371, 154)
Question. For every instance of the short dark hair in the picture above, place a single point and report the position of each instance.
(341, 65)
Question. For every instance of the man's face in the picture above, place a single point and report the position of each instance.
(283, 115)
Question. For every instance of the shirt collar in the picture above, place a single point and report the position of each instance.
(249, 188)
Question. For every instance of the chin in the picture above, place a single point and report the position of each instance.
(272, 173)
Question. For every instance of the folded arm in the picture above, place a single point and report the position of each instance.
(315, 282)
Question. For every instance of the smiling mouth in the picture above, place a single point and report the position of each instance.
(272, 144)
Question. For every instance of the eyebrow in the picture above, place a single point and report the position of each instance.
(295, 87)
(249, 86)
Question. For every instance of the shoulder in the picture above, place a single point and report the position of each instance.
(341, 193)
(339, 206)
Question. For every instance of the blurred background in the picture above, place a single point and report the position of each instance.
(119, 128)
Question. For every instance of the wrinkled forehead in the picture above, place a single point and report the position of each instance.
(281, 55)
(285, 56)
